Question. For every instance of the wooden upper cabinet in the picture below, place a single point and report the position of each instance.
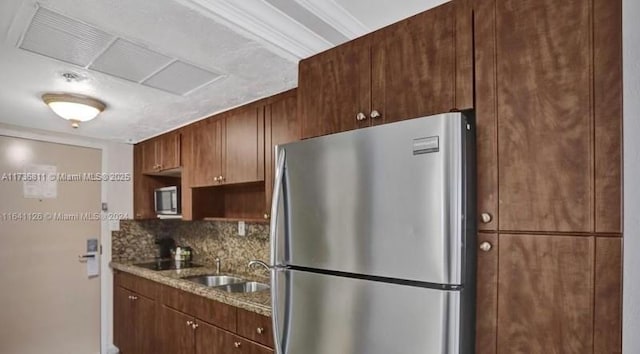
(244, 146)
(205, 153)
(169, 146)
(161, 153)
(334, 87)
(545, 294)
(559, 133)
(414, 65)
(282, 125)
(417, 67)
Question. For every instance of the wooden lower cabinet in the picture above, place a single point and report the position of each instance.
(134, 322)
(179, 322)
(213, 340)
(549, 294)
(175, 332)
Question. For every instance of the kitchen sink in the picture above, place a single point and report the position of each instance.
(215, 280)
(248, 287)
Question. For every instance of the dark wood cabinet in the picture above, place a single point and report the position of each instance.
(161, 153)
(176, 332)
(548, 111)
(212, 340)
(416, 67)
(256, 327)
(334, 89)
(244, 146)
(282, 125)
(549, 294)
(134, 322)
(228, 149)
(205, 158)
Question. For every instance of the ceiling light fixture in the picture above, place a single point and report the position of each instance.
(74, 108)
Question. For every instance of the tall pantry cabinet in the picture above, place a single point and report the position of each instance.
(548, 101)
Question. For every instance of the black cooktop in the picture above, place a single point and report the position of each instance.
(167, 264)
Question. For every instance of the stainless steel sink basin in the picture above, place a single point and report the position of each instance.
(248, 287)
(215, 280)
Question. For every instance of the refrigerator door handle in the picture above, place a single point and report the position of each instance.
(275, 268)
(277, 187)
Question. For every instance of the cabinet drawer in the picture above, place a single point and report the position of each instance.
(136, 284)
(256, 327)
(207, 310)
(226, 342)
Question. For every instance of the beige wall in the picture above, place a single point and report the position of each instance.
(116, 158)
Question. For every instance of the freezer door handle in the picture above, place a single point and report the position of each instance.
(277, 188)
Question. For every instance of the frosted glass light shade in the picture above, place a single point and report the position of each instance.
(74, 108)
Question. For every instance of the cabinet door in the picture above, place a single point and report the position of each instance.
(212, 340)
(487, 294)
(149, 159)
(545, 294)
(175, 333)
(282, 126)
(144, 321)
(333, 87)
(545, 131)
(414, 66)
(123, 336)
(244, 146)
(168, 147)
(205, 155)
(256, 327)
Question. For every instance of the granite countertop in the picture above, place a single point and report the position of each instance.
(258, 302)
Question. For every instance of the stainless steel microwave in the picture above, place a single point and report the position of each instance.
(167, 200)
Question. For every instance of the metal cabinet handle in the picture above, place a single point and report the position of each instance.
(485, 246)
(486, 218)
(259, 330)
(375, 114)
(194, 326)
(266, 216)
(361, 116)
(221, 178)
(215, 179)
(237, 344)
(189, 323)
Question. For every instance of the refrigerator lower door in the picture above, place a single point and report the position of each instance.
(321, 314)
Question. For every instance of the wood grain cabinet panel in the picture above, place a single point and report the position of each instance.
(256, 327)
(282, 126)
(608, 296)
(168, 151)
(244, 146)
(212, 340)
(486, 115)
(545, 294)
(607, 37)
(175, 334)
(333, 87)
(205, 162)
(487, 295)
(413, 66)
(544, 126)
(122, 326)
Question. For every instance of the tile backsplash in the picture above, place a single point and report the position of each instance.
(209, 240)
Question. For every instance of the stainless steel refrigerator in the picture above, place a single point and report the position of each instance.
(373, 240)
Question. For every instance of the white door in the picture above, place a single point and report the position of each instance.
(49, 304)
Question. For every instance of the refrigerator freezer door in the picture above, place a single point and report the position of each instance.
(384, 201)
(320, 314)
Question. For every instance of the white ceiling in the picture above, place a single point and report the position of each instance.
(253, 44)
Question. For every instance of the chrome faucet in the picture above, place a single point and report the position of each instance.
(260, 263)
(217, 265)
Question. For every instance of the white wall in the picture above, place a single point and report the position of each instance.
(119, 196)
(631, 72)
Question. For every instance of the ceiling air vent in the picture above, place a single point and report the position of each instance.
(62, 38)
(129, 61)
(181, 78)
